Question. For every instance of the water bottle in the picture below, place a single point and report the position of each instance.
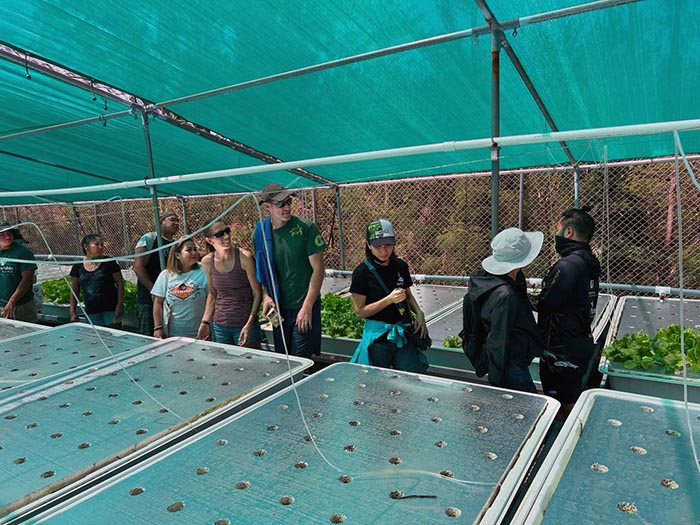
(399, 286)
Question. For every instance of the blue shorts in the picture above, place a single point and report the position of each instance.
(102, 318)
(229, 335)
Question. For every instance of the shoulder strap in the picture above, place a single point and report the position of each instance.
(377, 276)
(379, 279)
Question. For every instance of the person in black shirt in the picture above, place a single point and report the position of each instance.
(385, 340)
(566, 307)
(102, 285)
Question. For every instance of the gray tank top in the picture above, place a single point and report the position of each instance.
(234, 297)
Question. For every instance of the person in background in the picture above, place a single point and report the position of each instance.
(16, 278)
(180, 293)
(566, 308)
(384, 342)
(147, 268)
(295, 248)
(102, 285)
(235, 295)
(513, 338)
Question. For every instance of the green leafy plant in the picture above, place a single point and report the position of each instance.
(338, 318)
(639, 351)
(58, 292)
(129, 296)
(452, 341)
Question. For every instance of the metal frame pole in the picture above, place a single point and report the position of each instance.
(154, 191)
(495, 130)
(341, 242)
(496, 41)
(76, 227)
(183, 207)
(125, 229)
(521, 200)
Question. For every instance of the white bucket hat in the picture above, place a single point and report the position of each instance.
(512, 248)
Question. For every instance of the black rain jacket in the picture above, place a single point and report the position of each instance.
(567, 303)
(512, 333)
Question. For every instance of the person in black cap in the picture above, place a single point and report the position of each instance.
(16, 278)
(384, 341)
(147, 269)
(289, 266)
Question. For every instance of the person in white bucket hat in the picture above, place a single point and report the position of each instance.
(512, 337)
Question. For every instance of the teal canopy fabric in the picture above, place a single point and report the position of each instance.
(629, 64)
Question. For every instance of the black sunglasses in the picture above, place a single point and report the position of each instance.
(285, 202)
(221, 233)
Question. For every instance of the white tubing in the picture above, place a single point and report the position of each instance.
(441, 147)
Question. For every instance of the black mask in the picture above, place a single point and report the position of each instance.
(564, 246)
(560, 243)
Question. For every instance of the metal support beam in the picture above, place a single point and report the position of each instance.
(108, 92)
(183, 207)
(542, 107)
(76, 227)
(154, 191)
(495, 130)
(341, 240)
(496, 39)
(521, 200)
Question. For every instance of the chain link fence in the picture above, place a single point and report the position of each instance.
(442, 224)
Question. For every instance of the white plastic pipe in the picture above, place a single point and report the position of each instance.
(536, 138)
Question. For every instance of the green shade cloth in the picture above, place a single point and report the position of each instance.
(625, 65)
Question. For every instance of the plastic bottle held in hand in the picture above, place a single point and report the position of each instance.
(399, 286)
(274, 318)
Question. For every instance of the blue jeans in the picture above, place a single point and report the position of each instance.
(298, 344)
(229, 335)
(518, 378)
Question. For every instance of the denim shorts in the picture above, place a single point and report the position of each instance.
(229, 334)
(102, 318)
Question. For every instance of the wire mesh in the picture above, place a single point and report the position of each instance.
(442, 224)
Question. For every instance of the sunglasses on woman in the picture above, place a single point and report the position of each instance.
(221, 233)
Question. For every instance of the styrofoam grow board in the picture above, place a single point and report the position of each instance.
(56, 438)
(620, 458)
(398, 448)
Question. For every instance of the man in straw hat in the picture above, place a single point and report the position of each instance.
(290, 268)
(16, 278)
(512, 336)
